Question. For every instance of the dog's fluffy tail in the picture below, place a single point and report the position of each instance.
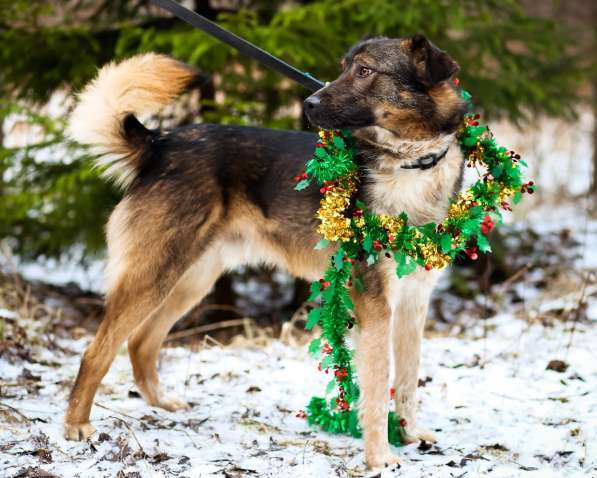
(105, 116)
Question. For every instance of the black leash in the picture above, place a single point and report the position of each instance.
(240, 44)
(269, 60)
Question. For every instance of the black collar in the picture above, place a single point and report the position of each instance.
(427, 161)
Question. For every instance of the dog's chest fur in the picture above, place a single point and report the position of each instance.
(422, 194)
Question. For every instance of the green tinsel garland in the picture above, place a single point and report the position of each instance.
(362, 236)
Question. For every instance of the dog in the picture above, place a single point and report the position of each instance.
(203, 199)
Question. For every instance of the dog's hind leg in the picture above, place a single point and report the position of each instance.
(372, 364)
(409, 321)
(147, 258)
(146, 341)
(126, 307)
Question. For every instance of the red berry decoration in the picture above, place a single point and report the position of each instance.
(377, 245)
(487, 225)
(403, 422)
(392, 393)
(326, 349)
(327, 186)
(324, 284)
(341, 373)
(506, 206)
(528, 187)
(472, 253)
(301, 414)
(342, 404)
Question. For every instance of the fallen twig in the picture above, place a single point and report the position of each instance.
(577, 312)
(132, 433)
(209, 327)
(5, 405)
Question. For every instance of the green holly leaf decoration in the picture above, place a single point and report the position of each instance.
(357, 283)
(368, 243)
(339, 259)
(315, 346)
(483, 243)
(445, 243)
(313, 318)
(302, 184)
(315, 291)
(320, 153)
(322, 244)
(339, 142)
(404, 264)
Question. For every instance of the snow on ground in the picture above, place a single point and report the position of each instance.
(496, 409)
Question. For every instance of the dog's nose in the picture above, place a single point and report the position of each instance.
(312, 102)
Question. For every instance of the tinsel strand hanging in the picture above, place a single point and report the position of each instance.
(362, 236)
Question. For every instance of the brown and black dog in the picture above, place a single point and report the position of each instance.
(204, 199)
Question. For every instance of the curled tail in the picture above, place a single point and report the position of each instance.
(105, 116)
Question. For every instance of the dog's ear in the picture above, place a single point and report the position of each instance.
(432, 65)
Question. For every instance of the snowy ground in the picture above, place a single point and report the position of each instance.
(497, 411)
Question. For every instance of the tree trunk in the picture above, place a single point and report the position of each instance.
(1, 147)
(593, 52)
(594, 184)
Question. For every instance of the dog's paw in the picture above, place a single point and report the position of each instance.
(78, 431)
(416, 435)
(383, 460)
(171, 403)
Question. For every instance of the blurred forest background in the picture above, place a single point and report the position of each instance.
(529, 65)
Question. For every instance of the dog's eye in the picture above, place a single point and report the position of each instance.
(364, 71)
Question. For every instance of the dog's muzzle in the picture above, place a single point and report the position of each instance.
(312, 102)
(313, 109)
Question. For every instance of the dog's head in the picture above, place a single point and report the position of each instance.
(400, 85)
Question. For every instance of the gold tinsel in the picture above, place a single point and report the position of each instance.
(324, 136)
(433, 257)
(359, 222)
(391, 224)
(476, 156)
(505, 193)
(460, 207)
(335, 226)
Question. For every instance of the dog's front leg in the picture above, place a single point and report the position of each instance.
(372, 357)
(409, 321)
